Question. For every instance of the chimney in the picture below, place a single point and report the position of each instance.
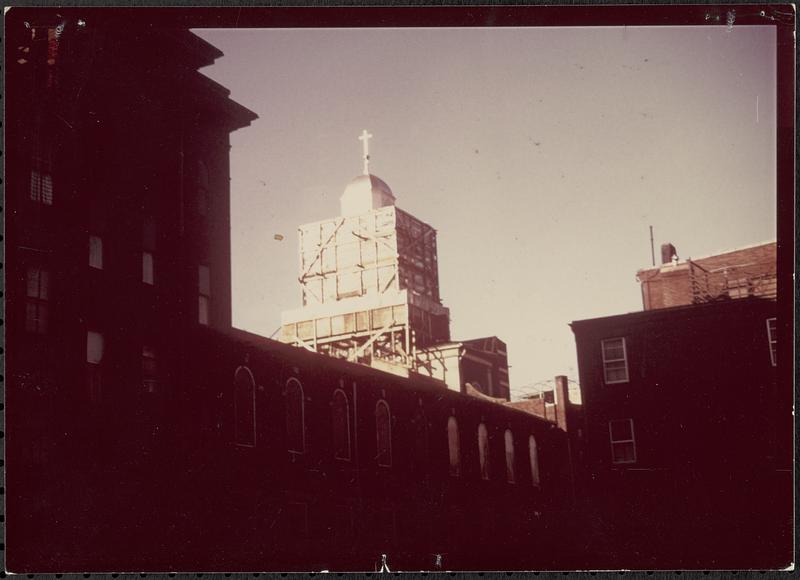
(667, 252)
(562, 400)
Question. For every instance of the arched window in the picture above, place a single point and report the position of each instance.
(244, 407)
(295, 417)
(454, 446)
(340, 415)
(509, 438)
(534, 457)
(483, 450)
(383, 431)
(420, 447)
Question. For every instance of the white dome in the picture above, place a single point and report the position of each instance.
(365, 193)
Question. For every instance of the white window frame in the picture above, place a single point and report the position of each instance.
(613, 441)
(772, 339)
(623, 359)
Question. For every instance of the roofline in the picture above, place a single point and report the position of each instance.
(421, 382)
(697, 309)
(712, 255)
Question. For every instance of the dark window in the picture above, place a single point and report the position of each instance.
(148, 247)
(37, 294)
(96, 252)
(41, 167)
(454, 446)
(204, 292)
(149, 369)
(148, 268)
(295, 417)
(244, 407)
(383, 431)
(623, 442)
(95, 347)
(341, 425)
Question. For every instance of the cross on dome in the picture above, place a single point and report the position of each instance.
(364, 138)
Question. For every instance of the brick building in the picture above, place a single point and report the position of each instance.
(737, 273)
(118, 181)
(144, 433)
(688, 426)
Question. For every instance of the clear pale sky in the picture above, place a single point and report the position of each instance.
(541, 156)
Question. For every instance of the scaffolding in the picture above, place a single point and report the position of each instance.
(369, 289)
(729, 282)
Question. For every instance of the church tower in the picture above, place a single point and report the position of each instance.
(369, 280)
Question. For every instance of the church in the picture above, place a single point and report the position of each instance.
(370, 291)
(147, 434)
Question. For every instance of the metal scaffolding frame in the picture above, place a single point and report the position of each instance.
(370, 289)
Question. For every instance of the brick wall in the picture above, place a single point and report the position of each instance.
(735, 274)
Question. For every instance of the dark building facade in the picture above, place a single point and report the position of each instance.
(144, 433)
(688, 438)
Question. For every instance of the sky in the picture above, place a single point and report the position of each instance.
(540, 155)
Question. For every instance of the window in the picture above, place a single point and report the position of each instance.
(509, 440)
(37, 294)
(295, 416)
(454, 446)
(148, 247)
(96, 252)
(533, 451)
(483, 450)
(772, 338)
(623, 444)
(204, 291)
(41, 167)
(615, 361)
(383, 431)
(94, 347)
(341, 425)
(94, 357)
(244, 407)
(41, 187)
(147, 268)
(149, 370)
